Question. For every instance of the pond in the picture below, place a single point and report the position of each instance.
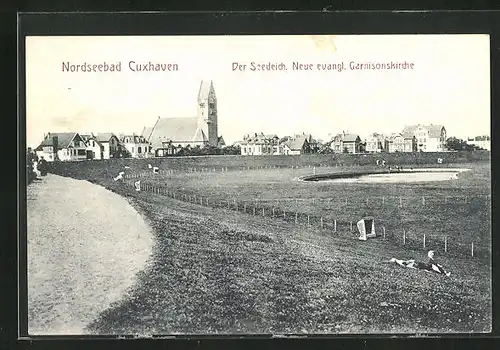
(405, 176)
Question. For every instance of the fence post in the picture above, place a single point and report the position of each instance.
(383, 230)
(228, 204)
(254, 210)
(263, 212)
(351, 225)
(245, 207)
(400, 202)
(424, 240)
(321, 222)
(445, 244)
(383, 200)
(284, 214)
(307, 219)
(423, 200)
(466, 199)
(404, 237)
(273, 212)
(334, 225)
(472, 249)
(296, 217)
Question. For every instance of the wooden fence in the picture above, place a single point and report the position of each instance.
(271, 209)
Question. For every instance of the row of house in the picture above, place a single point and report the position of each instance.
(271, 144)
(416, 138)
(74, 146)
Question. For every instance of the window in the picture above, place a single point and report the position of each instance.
(81, 152)
(139, 149)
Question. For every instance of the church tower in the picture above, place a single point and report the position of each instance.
(207, 112)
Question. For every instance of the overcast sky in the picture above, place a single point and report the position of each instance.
(449, 85)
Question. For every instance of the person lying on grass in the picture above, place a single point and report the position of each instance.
(430, 266)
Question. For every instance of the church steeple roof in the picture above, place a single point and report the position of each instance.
(205, 87)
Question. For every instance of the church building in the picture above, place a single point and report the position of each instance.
(169, 134)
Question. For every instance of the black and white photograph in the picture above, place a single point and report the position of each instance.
(258, 184)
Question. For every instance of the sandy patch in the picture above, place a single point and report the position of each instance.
(85, 247)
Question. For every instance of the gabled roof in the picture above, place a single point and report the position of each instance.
(63, 139)
(205, 88)
(434, 130)
(351, 138)
(407, 135)
(105, 136)
(177, 130)
(297, 143)
(409, 129)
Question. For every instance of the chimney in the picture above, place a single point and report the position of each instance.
(55, 143)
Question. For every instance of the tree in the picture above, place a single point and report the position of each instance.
(456, 144)
(231, 150)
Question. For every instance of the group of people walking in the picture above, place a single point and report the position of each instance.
(35, 168)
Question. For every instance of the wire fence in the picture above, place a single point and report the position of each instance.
(345, 226)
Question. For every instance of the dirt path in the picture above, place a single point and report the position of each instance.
(85, 247)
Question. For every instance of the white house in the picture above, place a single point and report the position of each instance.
(375, 143)
(94, 149)
(483, 142)
(64, 146)
(430, 138)
(110, 144)
(136, 145)
(298, 145)
(260, 144)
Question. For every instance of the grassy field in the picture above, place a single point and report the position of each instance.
(459, 209)
(216, 270)
(219, 271)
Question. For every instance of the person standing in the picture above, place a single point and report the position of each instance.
(42, 166)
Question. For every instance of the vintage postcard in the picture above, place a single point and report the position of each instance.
(291, 184)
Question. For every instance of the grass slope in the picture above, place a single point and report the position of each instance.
(219, 271)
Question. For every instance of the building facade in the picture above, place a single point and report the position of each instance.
(347, 143)
(260, 144)
(402, 143)
(110, 144)
(376, 143)
(136, 145)
(429, 138)
(94, 149)
(68, 146)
